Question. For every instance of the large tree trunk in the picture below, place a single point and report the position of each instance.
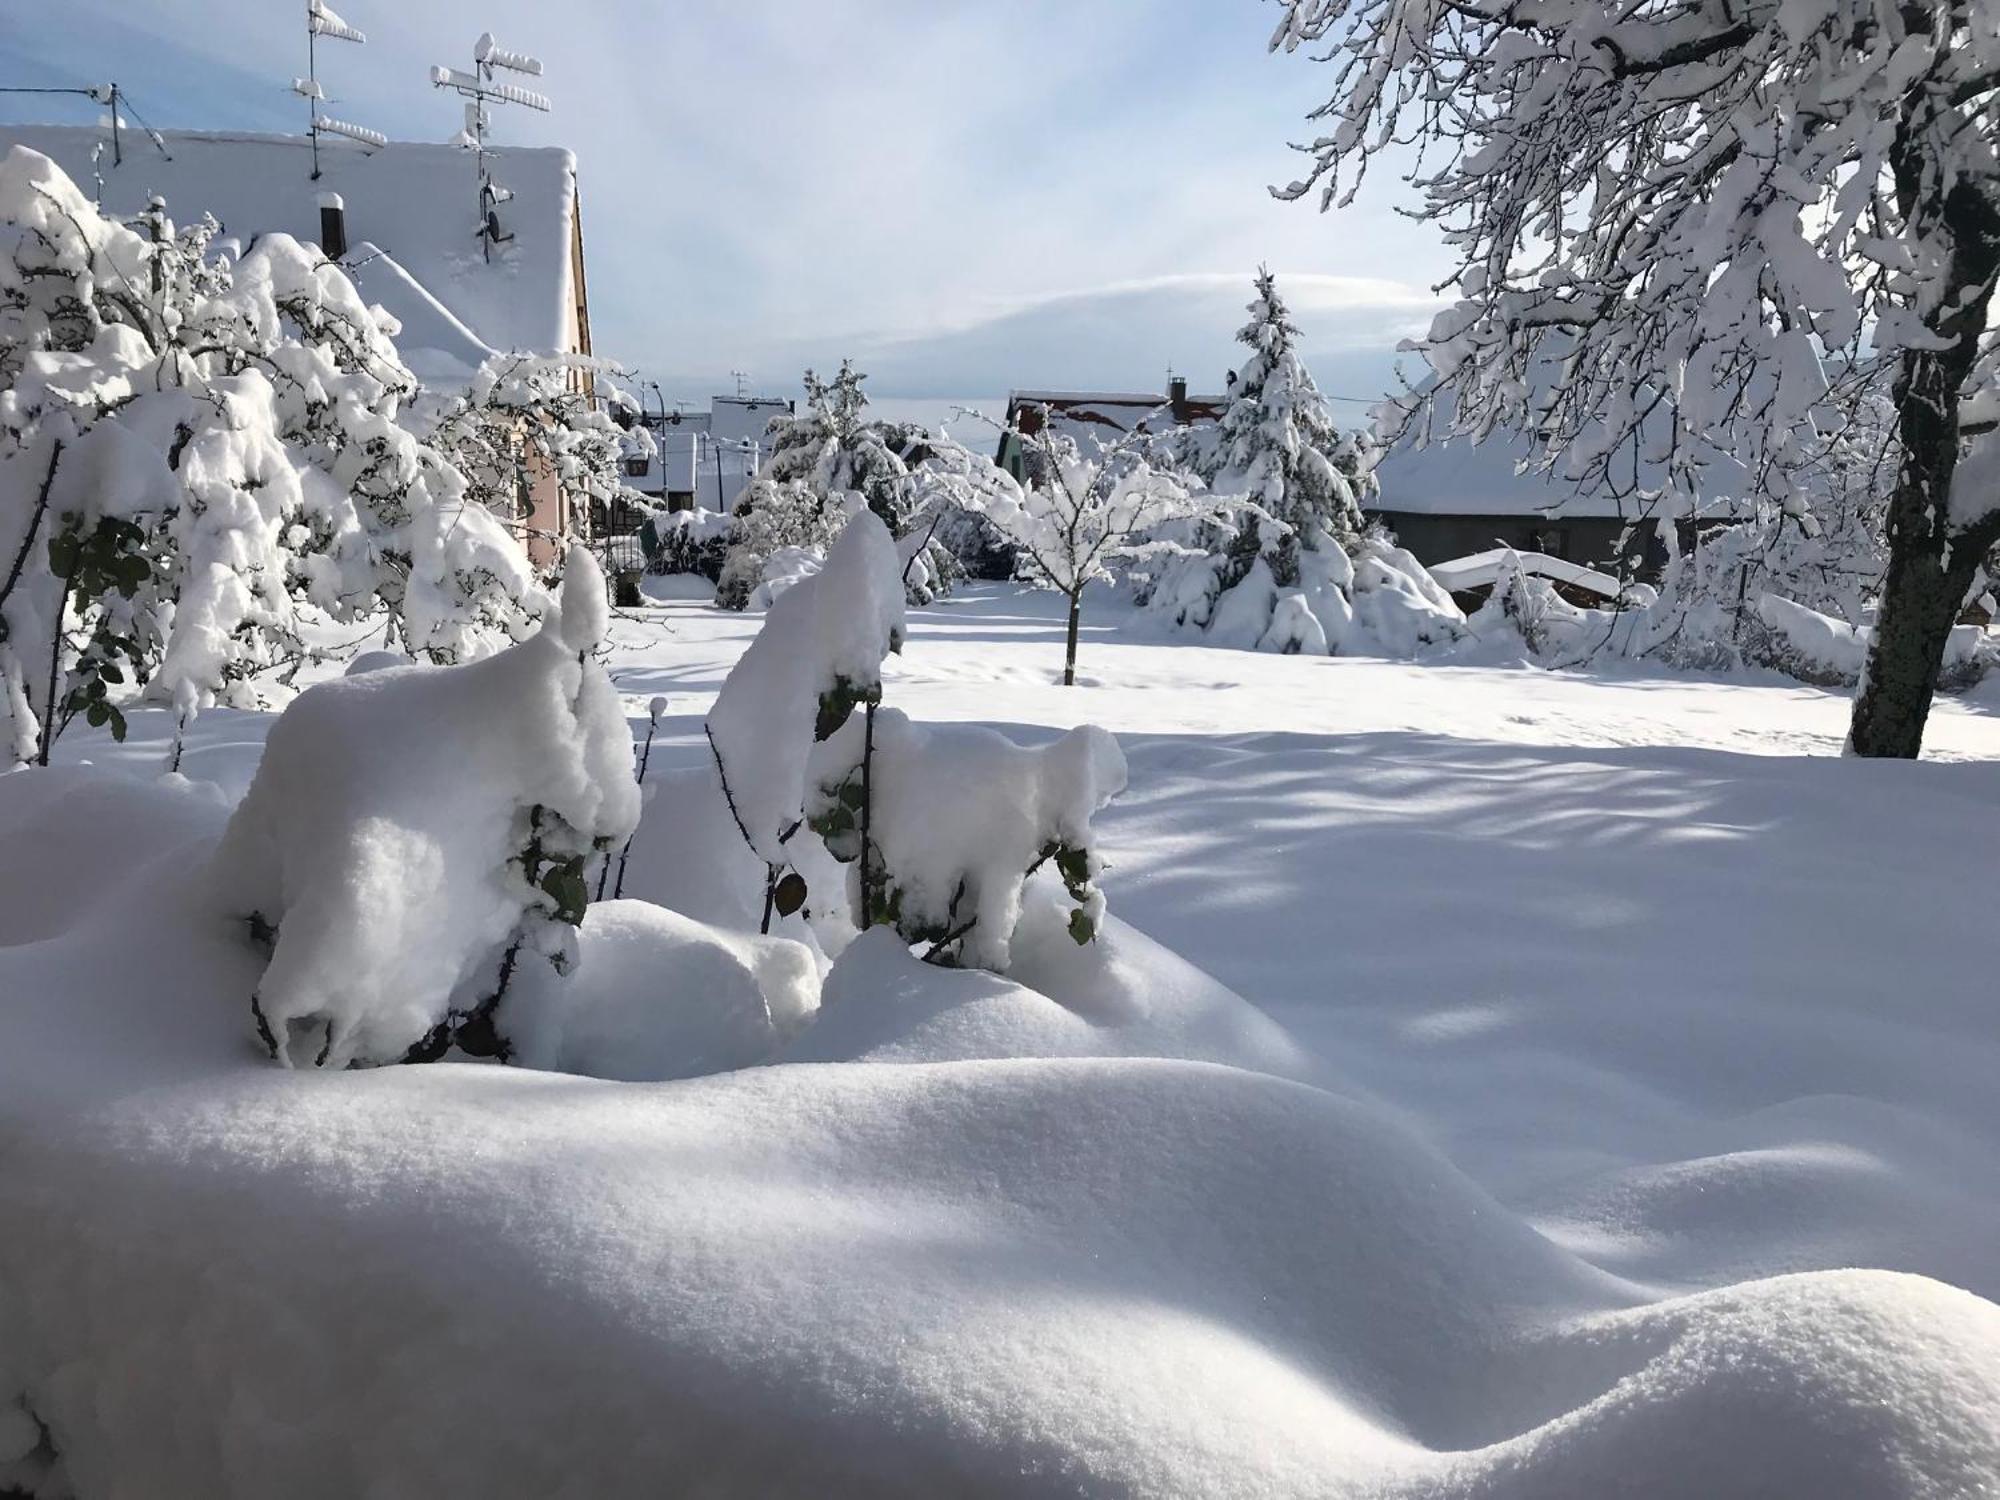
(1931, 563)
(1069, 646)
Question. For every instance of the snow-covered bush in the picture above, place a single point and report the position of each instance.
(826, 462)
(413, 833)
(529, 416)
(192, 452)
(942, 825)
(818, 656)
(686, 541)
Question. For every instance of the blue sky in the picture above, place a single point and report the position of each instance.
(966, 197)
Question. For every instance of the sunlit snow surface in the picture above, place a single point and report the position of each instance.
(1582, 1012)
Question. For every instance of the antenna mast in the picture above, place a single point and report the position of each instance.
(478, 89)
(321, 21)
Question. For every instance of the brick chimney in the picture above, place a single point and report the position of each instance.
(332, 225)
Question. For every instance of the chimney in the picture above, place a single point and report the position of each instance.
(332, 225)
(1177, 397)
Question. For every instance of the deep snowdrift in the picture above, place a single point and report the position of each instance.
(1098, 1227)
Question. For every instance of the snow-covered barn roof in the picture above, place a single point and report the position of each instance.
(411, 211)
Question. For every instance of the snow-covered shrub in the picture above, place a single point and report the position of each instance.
(775, 517)
(529, 415)
(826, 462)
(192, 451)
(818, 656)
(687, 541)
(414, 833)
(942, 825)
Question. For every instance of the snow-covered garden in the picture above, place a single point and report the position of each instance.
(1088, 971)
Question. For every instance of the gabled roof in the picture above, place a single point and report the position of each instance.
(415, 204)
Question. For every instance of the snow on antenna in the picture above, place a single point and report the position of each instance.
(479, 88)
(322, 21)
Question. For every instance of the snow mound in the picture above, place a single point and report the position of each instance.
(658, 995)
(1008, 1275)
(380, 840)
(1121, 996)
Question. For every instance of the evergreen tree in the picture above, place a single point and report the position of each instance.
(1277, 446)
(825, 462)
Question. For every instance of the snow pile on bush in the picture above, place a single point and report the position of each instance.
(656, 995)
(818, 655)
(942, 825)
(193, 452)
(1378, 601)
(410, 832)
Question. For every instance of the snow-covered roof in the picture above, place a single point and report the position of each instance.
(1095, 416)
(1459, 477)
(414, 204)
(1481, 568)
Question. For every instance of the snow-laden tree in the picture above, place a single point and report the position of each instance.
(1278, 446)
(1080, 513)
(1697, 226)
(192, 453)
(826, 462)
(530, 415)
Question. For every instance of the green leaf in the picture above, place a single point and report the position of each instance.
(117, 723)
(1081, 927)
(110, 673)
(1074, 866)
(97, 713)
(790, 894)
(852, 795)
(62, 554)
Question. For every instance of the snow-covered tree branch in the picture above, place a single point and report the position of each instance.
(1692, 229)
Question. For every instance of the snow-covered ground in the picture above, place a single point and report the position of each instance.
(1582, 1012)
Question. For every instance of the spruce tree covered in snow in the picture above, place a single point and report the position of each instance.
(192, 452)
(826, 462)
(1692, 229)
(1278, 447)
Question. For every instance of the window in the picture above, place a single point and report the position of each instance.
(635, 468)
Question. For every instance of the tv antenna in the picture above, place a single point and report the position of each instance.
(321, 21)
(479, 88)
(741, 377)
